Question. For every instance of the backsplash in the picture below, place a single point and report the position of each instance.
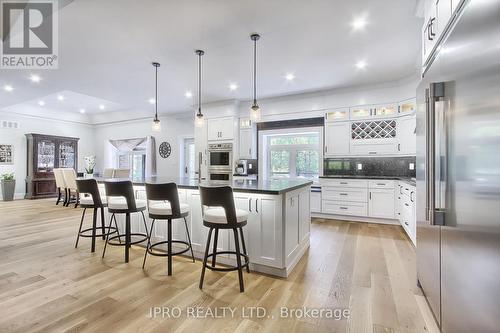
(369, 166)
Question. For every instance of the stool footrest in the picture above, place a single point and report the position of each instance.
(111, 230)
(227, 269)
(166, 254)
(131, 243)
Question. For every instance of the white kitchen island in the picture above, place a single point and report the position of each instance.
(278, 229)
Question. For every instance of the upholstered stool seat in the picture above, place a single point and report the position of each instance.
(89, 201)
(218, 215)
(165, 209)
(120, 204)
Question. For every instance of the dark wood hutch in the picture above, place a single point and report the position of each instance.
(46, 152)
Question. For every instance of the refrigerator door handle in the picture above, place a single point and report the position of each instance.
(436, 155)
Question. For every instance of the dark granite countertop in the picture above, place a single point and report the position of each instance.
(274, 186)
(408, 180)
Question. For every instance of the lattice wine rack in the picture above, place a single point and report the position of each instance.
(379, 129)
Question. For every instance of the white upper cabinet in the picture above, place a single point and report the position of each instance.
(337, 138)
(407, 106)
(407, 144)
(337, 115)
(374, 111)
(246, 143)
(220, 129)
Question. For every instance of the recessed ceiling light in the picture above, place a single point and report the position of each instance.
(35, 78)
(60, 98)
(41, 103)
(101, 107)
(233, 86)
(188, 94)
(152, 101)
(361, 64)
(359, 23)
(290, 76)
(82, 110)
(8, 88)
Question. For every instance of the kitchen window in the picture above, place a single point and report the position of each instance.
(135, 161)
(293, 155)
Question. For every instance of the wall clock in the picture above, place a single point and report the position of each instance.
(165, 149)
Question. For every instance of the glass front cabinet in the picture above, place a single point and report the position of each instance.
(44, 153)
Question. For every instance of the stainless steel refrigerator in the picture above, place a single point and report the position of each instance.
(458, 174)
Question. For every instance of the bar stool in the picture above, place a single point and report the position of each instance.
(91, 198)
(163, 204)
(121, 200)
(219, 212)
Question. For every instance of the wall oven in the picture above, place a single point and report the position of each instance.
(220, 155)
(220, 161)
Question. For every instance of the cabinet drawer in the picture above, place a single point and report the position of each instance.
(359, 183)
(382, 183)
(344, 208)
(345, 194)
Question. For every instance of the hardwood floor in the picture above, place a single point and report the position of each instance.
(46, 285)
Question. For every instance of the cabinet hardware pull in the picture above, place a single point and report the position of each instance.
(343, 193)
(399, 147)
(406, 204)
(343, 208)
(381, 184)
(411, 196)
(343, 183)
(249, 151)
(326, 149)
(406, 223)
(256, 207)
(370, 195)
(250, 204)
(372, 152)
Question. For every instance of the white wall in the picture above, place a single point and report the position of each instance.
(173, 130)
(29, 124)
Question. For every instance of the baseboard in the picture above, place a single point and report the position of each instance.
(355, 218)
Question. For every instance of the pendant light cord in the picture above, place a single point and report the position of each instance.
(254, 71)
(199, 84)
(156, 93)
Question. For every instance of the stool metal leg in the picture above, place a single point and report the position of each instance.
(145, 225)
(244, 247)
(216, 238)
(205, 258)
(103, 227)
(238, 260)
(127, 236)
(113, 217)
(107, 236)
(169, 246)
(80, 229)
(58, 196)
(189, 238)
(94, 227)
(149, 243)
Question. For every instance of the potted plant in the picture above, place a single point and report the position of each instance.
(89, 166)
(8, 186)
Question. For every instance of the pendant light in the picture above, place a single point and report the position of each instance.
(200, 119)
(255, 109)
(156, 122)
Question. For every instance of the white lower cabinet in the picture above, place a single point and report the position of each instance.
(406, 209)
(315, 201)
(381, 203)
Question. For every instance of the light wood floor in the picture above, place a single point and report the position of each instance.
(46, 285)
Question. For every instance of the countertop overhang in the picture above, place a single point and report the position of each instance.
(271, 186)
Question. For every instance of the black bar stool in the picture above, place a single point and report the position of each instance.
(219, 212)
(121, 200)
(91, 198)
(163, 204)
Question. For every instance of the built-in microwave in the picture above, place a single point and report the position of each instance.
(220, 156)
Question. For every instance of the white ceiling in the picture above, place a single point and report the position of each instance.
(106, 49)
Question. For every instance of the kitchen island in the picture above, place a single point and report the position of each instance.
(278, 229)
